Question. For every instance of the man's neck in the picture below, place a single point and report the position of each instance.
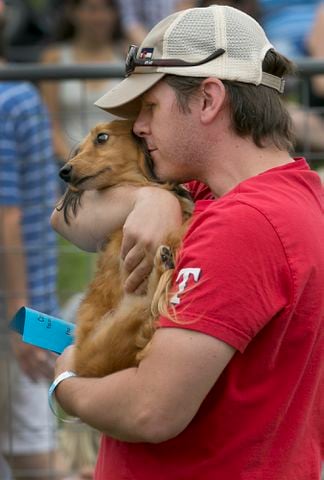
(240, 160)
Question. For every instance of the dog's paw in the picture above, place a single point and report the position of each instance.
(166, 257)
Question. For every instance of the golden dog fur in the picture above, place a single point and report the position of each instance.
(113, 328)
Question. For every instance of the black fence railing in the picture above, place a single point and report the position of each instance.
(39, 72)
(297, 87)
(36, 71)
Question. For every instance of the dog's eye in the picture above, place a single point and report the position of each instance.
(102, 137)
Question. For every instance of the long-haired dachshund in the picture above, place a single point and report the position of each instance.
(113, 328)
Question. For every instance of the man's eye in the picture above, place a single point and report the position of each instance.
(102, 137)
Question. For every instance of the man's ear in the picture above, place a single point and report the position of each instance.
(213, 99)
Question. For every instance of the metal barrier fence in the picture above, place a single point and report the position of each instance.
(305, 67)
(77, 444)
(298, 88)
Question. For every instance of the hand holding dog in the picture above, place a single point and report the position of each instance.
(155, 214)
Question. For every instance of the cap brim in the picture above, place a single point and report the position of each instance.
(124, 99)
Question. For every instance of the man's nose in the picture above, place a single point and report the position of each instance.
(140, 127)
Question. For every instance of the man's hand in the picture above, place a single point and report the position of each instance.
(156, 213)
(36, 363)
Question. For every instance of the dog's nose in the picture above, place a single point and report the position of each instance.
(65, 172)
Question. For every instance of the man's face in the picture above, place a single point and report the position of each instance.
(94, 18)
(168, 132)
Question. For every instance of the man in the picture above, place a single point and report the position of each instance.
(232, 387)
(28, 188)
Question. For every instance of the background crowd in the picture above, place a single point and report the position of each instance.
(93, 31)
(69, 32)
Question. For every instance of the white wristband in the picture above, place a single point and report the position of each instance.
(51, 395)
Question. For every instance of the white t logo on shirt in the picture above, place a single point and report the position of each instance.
(184, 275)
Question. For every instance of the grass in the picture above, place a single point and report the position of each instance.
(75, 269)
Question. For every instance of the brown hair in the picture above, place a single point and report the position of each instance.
(256, 111)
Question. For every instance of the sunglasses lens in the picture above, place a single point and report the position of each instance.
(145, 60)
(130, 59)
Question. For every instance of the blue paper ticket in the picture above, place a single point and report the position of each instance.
(43, 330)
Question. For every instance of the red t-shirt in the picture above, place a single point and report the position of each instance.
(251, 273)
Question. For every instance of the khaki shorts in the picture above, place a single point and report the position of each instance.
(27, 426)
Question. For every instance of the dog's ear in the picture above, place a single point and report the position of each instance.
(145, 160)
(69, 202)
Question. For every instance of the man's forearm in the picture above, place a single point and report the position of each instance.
(114, 405)
(100, 214)
(105, 211)
(14, 264)
(155, 401)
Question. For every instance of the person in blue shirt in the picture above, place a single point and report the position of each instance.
(28, 191)
(288, 23)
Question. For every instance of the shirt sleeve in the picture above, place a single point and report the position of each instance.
(9, 162)
(232, 276)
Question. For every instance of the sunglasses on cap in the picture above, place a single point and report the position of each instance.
(132, 61)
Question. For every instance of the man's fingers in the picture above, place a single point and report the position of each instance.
(142, 289)
(138, 277)
(134, 258)
(128, 242)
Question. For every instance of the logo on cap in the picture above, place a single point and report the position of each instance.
(146, 53)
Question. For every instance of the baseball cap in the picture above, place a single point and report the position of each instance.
(216, 41)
